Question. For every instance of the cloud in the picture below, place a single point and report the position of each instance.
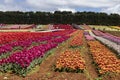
(47, 5)
(113, 9)
(91, 3)
(12, 5)
(66, 9)
(74, 5)
(108, 6)
(10, 8)
(9, 1)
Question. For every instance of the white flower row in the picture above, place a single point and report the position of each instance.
(109, 43)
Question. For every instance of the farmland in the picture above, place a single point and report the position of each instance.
(59, 52)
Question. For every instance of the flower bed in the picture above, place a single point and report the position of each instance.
(7, 37)
(105, 59)
(112, 45)
(28, 42)
(77, 39)
(115, 33)
(86, 27)
(61, 26)
(108, 36)
(87, 36)
(115, 27)
(23, 61)
(70, 61)
(5, 50)
(86, 33)
(97, 33)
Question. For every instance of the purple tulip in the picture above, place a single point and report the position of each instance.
(107, 36)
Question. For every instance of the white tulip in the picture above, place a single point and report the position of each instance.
(109, 43)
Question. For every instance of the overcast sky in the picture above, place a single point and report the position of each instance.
(108, 6)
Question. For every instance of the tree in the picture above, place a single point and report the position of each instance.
(58, 17)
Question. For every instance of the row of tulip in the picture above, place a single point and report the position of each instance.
(5, 26)
(105, 59)
(86, 27)
(86, 33)
(103, 28)
(22, 62)
(25, 57)
(74, 33)
(108, 36)
(49, 26)
(70, 61)
(17, 36)
(115, 33)
(61, 26)
(26, 43)
(60, 39)
(77, 40)
(97, 33)
(115, 27)
(87, 36)
(107, 42)
(7, 37)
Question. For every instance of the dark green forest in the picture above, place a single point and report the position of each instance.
(58, 17)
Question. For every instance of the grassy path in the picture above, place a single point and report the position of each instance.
(90, 68)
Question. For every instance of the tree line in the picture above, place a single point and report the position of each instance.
(58, 17)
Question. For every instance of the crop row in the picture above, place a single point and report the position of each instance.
(88, 36)
(24, 44)
(28, 42)
(110, 44)
(61, 26)
(23, 61)
(7, 37)
(86, 27)
(77, 40)
(115, 33)
(105, 59)
(103, 28)
(108, 36)
(70, 61)
(115, 27)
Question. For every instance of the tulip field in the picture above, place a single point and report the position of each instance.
(60, 53)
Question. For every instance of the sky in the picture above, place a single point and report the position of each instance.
(107, 6)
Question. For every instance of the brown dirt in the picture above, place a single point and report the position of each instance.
(90, 68)
(112, 76)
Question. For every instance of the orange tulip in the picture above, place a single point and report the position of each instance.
(73, 60)
(105, 59)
